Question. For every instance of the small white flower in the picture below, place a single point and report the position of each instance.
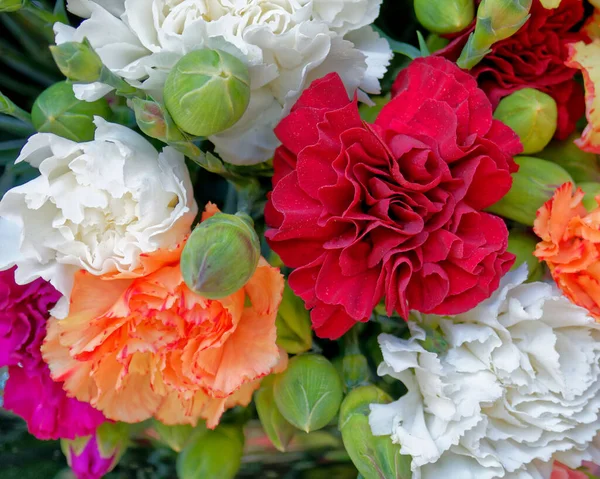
(286, 44)
(517, 387)
(95, 206)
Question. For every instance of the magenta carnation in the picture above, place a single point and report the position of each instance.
(29, 391)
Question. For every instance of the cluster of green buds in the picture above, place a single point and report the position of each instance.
(533, 185)
(445, 16)
(533, 116)
(220, 255)
(57, 111)
(496, 21)
(207, 92)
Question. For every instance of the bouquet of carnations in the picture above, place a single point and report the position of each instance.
(300, 239)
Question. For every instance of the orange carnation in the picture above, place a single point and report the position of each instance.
(570, 246)
(146, 347)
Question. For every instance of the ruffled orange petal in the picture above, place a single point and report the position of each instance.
(236, 363)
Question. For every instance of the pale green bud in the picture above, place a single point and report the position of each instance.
(155, 122)
(279, 431)
(533, 185)
(207, 92)
(591, 190)
(294, 332)
(581, 165)
(355, 371)
(500, 19)
(11, 5)
(532, 115)
(176, 437)
(212, 454)
(445, 16)
(57, 111)
(220, 255)
(309, 392)
(373, 456)
(522, 244)
(77, 61)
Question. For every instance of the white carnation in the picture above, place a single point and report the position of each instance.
(95, 206)
(517, 387)
(285, 44)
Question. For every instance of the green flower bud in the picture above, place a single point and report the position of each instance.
(533, 185)
(532, 115)
(501, 19)
(212, 454)
(294, 332)
(279, 431)
(220, 255)
(591, 190)
(77, 61)
(57, 111)
(355, 371)
(175, 437)
(373, 456)
(309, 392)
(445, 16)
(11, 5)
(582, 166)
(207, 91)
(522, 244)
(155, 122)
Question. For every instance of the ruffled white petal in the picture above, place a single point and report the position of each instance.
(518, 387)
(95, 206)
(285, 44)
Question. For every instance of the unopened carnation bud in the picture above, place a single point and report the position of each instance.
(500, 19)
(91, 457)
(278, 430)
(445, 16)
(532, 115)
(591, 190)
(294, 332)
(522, 244)
(57, 111)
(77, 61)
(220, 255)
(309, 392)
(373, 456)
(581, 165)
(207, 92)
(533, 185)
(211, 454)
(11, 5)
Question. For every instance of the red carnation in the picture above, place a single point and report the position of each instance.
(393, 209)
(534, 57)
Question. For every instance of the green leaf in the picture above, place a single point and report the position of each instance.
(423, 45)
(399, 47)
(279, 431)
